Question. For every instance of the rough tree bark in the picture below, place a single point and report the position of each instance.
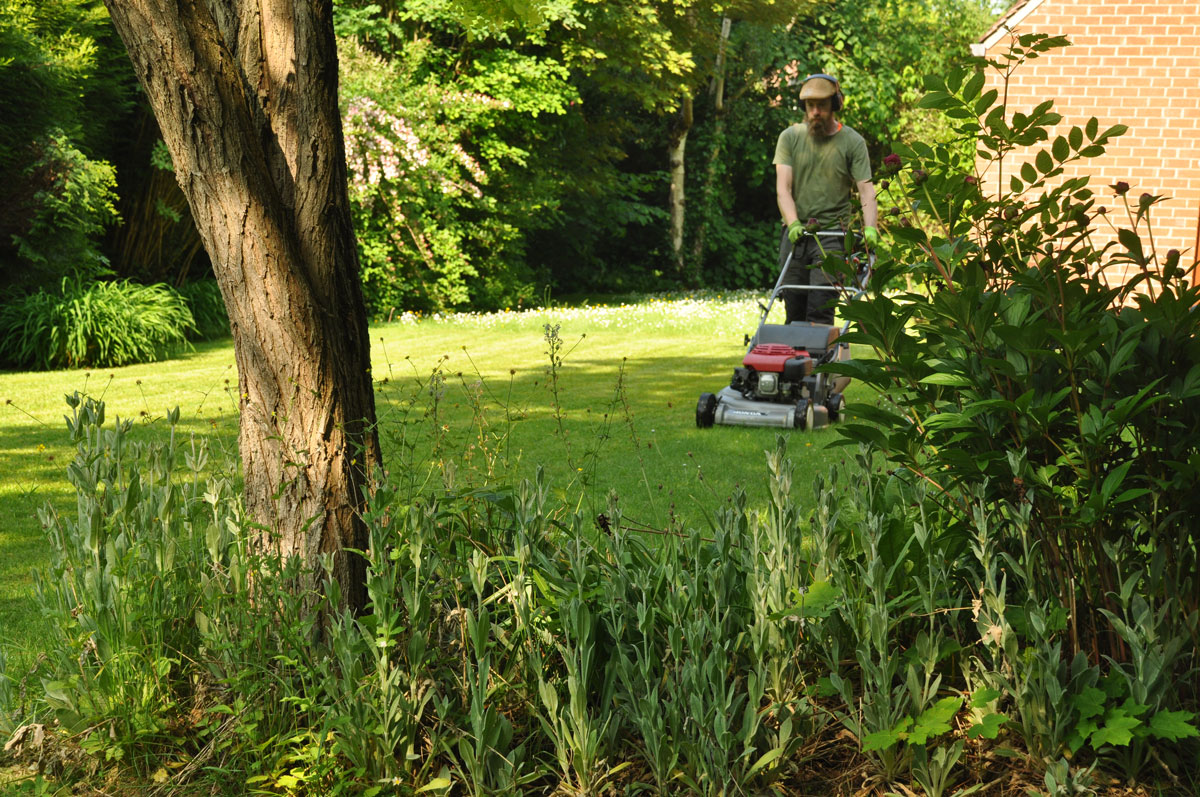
(245, 93)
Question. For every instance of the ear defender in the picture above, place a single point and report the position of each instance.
(838, 99)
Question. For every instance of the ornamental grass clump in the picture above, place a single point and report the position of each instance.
(93, 324)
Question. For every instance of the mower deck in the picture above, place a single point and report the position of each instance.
(775, 385)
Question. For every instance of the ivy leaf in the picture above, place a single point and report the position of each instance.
(1173, 725)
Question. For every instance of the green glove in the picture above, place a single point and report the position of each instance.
(871, 236)
(795, 230)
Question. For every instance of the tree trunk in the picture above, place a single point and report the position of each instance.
(677, 198)
(718, 92)
(246, 97)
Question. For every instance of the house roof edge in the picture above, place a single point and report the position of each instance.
(1005, 25)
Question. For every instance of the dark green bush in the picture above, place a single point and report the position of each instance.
(1043, 389)
(97, 324)
(204, 299)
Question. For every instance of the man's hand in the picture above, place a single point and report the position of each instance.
(795, 230)
(870, 236)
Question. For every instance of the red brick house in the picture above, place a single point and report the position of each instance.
(1131, 63)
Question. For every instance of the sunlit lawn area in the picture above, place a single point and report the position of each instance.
(627, 385)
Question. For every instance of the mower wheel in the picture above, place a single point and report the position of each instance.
(835, 404)
(804, 415)
(706, 410)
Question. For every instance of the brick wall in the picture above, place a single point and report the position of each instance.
(1131, 63)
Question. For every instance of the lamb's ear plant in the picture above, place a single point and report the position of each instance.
(1031, 369)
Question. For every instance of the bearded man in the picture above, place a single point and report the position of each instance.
(817, 163)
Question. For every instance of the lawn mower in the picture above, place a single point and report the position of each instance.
(775, 385)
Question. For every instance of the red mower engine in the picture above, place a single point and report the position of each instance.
(773, 371)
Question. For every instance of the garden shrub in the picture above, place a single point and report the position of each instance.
(93, 324)
(70, 200)
(207, 306)
(1050, 411)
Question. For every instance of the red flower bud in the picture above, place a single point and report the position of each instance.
(1120, 187)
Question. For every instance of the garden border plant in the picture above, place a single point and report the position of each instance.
(1050, 410)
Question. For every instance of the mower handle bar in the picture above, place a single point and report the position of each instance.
(780, 286)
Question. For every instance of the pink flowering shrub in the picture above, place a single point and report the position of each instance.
(430, 233)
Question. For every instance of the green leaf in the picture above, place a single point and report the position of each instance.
(981, 697)
(817, 601)
(988, 727)
(1113, 480)
(956, 380)
(882, 740)
(1028, 173)
(973, 86)
(767, 758)
(936, 99)
(1173, 725)
(1044, 162)
(985, 102)
(1061, 149)
(935, 720)
(1089, 702)
(1132, 242)
(1117, 731)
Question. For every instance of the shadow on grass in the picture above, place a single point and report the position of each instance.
(627, 426)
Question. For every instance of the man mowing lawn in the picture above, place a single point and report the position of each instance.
(817, 163)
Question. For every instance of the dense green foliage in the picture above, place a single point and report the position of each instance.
(97, 324)
(1039, 406)
(496, 151)
(204, 300)
(64, 86)
(1007, 573)
(1063, 373)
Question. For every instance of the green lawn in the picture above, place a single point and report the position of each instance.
(628, 385)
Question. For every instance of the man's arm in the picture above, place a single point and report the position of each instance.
(870, 208)
(783, 193)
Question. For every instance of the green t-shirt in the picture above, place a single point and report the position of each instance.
(823, 172)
